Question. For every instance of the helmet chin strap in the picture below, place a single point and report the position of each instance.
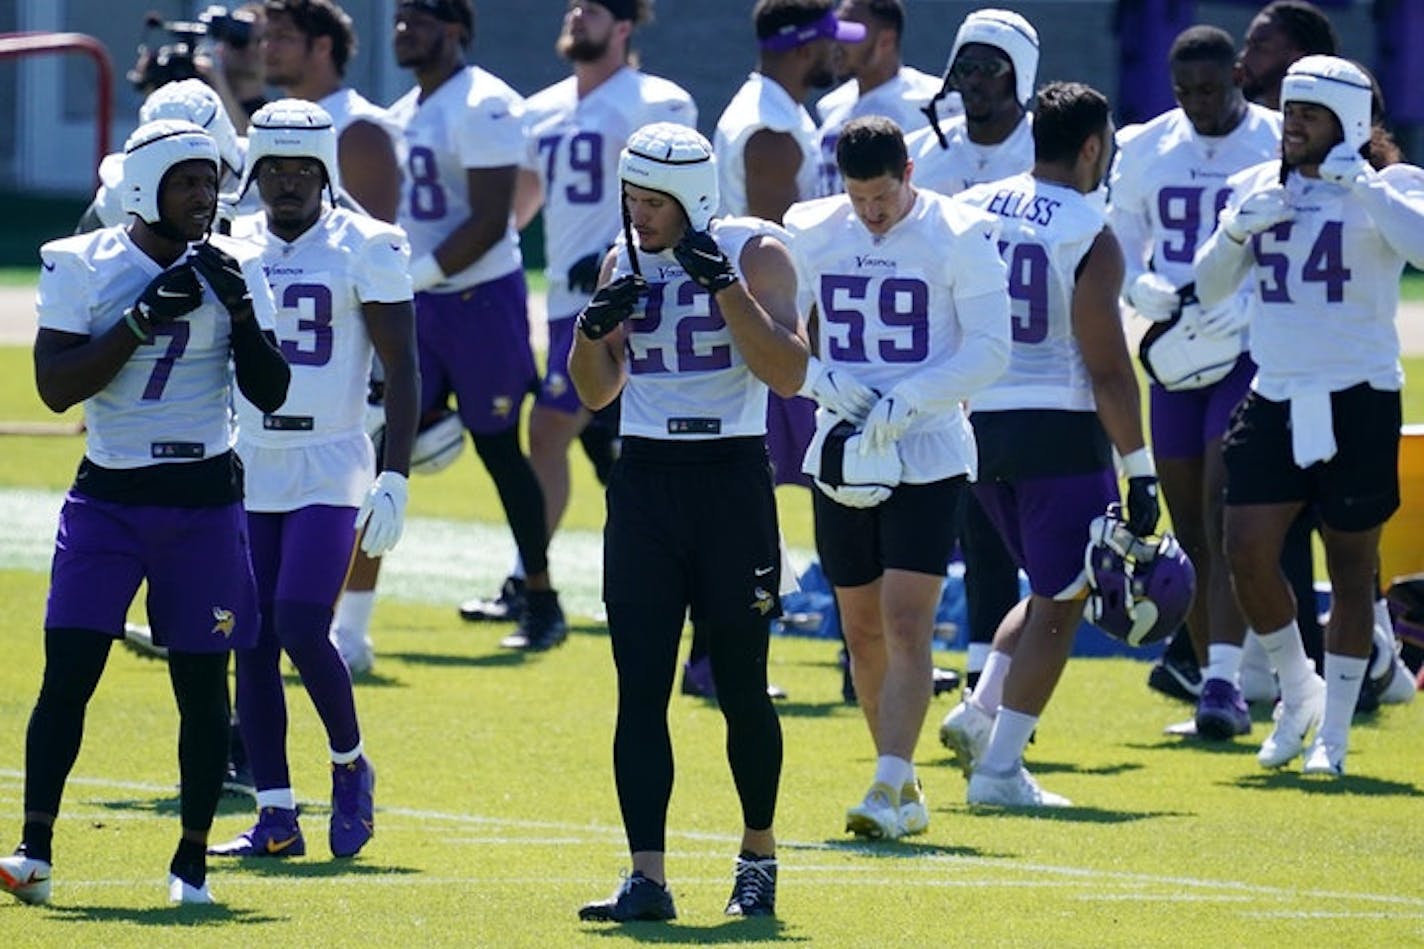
(628, 233)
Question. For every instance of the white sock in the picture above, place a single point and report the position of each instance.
(1343, 677)
(1007, 741)
(990, 690)
(353, 613)
(283, 798)
(978, 655)
(517, 571)
(1293, 667)
(346, 757)
(1224, 662)
(896, 772)
(1384, 640)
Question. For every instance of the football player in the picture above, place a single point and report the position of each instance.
(1167, 185)
(127, 329)
(463, 145)
(1047, 428)
(910, 295)
(574, 131)
(692, 523)
(1282, 32)
(1323, 232)
(876, 82)
(343, 285)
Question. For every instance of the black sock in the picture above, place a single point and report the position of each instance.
(35, 841)
(748, 855)
(190, 863)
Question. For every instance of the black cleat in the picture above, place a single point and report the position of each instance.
(1176, 679)
(753, 887)
(637, 898)
(945, 680)
(542, 626)
(507, 607)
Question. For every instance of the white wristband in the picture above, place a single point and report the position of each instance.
(1138, 464)
(814, 369)
(425, 273)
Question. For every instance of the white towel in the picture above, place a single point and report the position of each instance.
(1312, 428)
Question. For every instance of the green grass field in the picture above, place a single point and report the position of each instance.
(497, 816)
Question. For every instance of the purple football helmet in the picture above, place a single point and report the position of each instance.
(1139, 588)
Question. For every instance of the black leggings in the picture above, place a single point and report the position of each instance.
(519, 493)
(74, 661)
(645, 641)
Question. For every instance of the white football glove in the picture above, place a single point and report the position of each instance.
(886, 422)
(837, 391)
(382, 514)
(1346, 166)
(1227, 318)
(1260, 211)
(1154, 296)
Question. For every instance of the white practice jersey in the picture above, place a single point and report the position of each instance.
(762, 103)
(902, 99)
(1047, 231)
(687, 381)
(1168, 184)
(346, 105)
(172, 401)
(474, 120)
(891, 310)
(314, 449)
(964, 164)
(572, 144)
(1327, 284)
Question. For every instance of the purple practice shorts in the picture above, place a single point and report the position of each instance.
(557, 390)
(302, 556)
(790, 423)
(1183, 422)
(1044, 523)
(201, 594)
(475, 343)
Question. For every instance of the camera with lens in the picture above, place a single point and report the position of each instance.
(172, 59)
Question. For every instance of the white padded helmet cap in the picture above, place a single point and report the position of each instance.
(675, 160)
(1007, 31)
(1340, 86)
(151, 152)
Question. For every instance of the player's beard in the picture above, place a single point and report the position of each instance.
(586, 50)
(1254, 88)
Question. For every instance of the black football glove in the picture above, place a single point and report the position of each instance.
(611, 305)
(1143, 509)
(224, 274)
(704, 261)
(583, 275)
(168, 296)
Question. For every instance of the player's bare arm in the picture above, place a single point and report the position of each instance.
(771, 160)
(71, 367)
(491, 198)
(369, 170)
(761, 315)
(391, 327)
(1097, 325)
(528, 198)
(598, 367)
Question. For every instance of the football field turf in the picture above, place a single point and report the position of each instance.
(496, 813)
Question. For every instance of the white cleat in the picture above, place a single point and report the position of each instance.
(965, 732)
(1324, 758)
(1293, 724)
(139, 640)
(1017, 789)
(181, 891)
(1389, 676)
(914, 812)
(357, 651)
(26, 879)
(878, 816)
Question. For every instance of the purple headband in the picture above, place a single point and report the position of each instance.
(792, 36)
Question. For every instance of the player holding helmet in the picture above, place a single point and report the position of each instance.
(1046, 431)
(342, 280)
(127, 329)
(1323, 233)
(910, 294)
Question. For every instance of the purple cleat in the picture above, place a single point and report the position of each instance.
(353, 808)
(1221, 712)
(276, 834)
